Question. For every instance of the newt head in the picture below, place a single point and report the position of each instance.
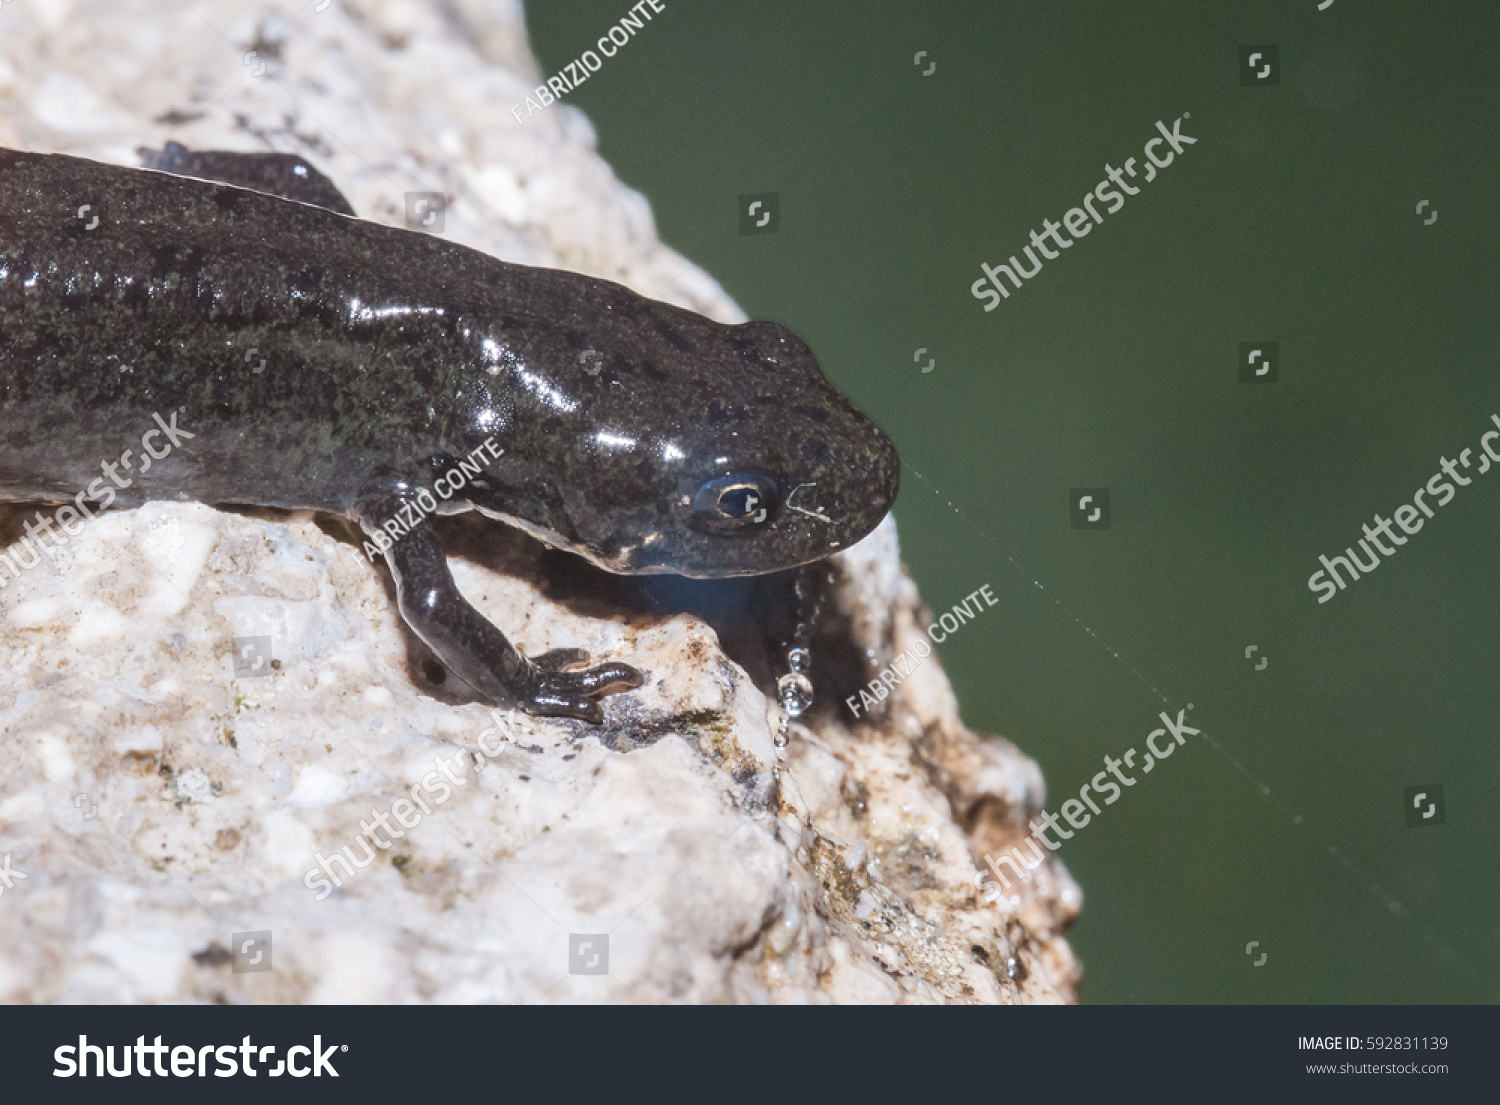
(778, 470)
(649, 439)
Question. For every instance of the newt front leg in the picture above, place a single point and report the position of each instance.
(465, 641)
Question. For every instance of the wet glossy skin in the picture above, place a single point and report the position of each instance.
(639, 435)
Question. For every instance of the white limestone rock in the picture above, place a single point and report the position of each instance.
(157, 803)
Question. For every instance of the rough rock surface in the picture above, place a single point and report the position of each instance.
(157, 802)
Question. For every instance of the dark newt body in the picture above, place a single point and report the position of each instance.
(642, 436)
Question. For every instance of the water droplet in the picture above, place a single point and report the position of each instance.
(799, 659)
(795, 692)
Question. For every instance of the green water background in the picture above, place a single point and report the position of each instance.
(1292, 220)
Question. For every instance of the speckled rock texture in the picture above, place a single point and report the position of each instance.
(199, 708)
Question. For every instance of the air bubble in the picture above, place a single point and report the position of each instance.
(795, 692)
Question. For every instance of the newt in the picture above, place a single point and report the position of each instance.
(312, 360)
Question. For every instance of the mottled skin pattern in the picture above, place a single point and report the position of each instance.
(642, 436)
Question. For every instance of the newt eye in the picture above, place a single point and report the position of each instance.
(735, 503)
